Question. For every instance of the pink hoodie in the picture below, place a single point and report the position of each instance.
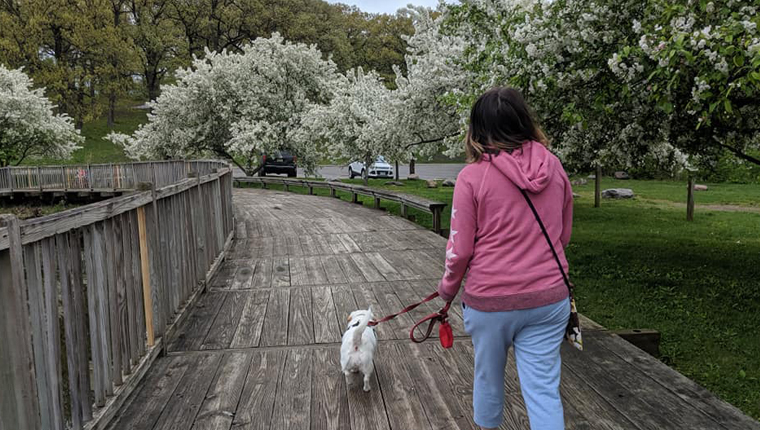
(496, 236)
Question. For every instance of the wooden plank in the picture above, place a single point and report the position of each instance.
(72, 266)
(275, 330)
(301, 322)
(593, 410)
(440, 407)
(257, 401)
(243, 276)
(366, 267)
(329, 405)
(21, 410)
(367, 410)
(187, 398)
(32, 263)
(145, 272)
(389, 303)
(689, 391)
(402, 403)
(52, 333)
(115, 302)
(280, 272)
(365, 298)
(104, 311)
(298, 271)
(190, 335)
(350, 270)
(137, 287)
(333, 270)
(219, 407)
(604, 380)
(248, 332)
(326, 328)
(459, 373)
(98, 341)
(345, 303)
(221, 332)
(127, 283)
(293, 397)
(262, 278)
(156, 390)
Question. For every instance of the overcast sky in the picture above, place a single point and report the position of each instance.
(385, 6)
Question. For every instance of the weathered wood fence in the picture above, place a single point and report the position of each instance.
(88, 295)
(406, 201)
(98, 177)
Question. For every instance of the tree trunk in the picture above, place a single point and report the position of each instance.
(111, 109)
(367, 165)
(411, 166)
(690, 200)
(397, 170)
(598, 187)
(152, 85)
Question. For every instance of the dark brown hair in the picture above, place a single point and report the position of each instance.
(500, 121)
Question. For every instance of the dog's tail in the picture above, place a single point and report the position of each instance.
(359, 331)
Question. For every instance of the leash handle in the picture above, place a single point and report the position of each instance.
(440, 316)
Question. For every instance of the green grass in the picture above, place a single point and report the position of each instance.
(35, 209)
(639, 265)
(96, 149)
(675, 191)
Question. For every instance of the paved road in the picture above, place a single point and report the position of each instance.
(426, 171)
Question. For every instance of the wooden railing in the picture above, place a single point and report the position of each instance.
(99, 288)
(99, 177)
(406, 201)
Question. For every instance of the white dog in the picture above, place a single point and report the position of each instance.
(358, 346)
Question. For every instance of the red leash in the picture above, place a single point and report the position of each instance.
(444, 332)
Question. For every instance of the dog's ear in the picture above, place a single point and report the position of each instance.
(349, 317)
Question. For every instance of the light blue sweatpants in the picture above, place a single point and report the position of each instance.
(536, 334)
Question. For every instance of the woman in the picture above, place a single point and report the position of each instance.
(514, 294)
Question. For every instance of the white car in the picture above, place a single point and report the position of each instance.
(379, 169)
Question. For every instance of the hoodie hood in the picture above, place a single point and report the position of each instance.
(531, 167)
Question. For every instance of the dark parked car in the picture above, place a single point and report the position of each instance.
(279, 162)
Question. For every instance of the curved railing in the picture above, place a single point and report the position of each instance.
(405, 200)
(101, 286)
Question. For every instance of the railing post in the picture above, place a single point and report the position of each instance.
(437, 220)
(311, 190)
(404, 210)
(354, 197)
(39, 178)
(19, 404)
(332, 192)
(145, 266)
(63, 179)
(377, 202)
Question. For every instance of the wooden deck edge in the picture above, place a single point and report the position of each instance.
(103, 417)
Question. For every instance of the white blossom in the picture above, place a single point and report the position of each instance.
(28, 126)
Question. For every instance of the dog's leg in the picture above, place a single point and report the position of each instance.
(366, 380)
(347, 374)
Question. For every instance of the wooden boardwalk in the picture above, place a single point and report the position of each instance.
(260, 350)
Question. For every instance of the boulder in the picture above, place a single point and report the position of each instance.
(618, 193)
(413, 177)
(698, 187)
(592, 176)
(432, 184)
(580, 182)
(448, 183)
(394, 183)
(622, 175)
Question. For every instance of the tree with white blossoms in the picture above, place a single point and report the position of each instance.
(426, 114)
(29, 128)
(357, 124)
(557, 54)
(698, 62)
(239, 106)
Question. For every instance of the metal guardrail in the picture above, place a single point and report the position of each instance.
(407, 201)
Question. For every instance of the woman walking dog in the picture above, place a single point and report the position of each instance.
(515, 294)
